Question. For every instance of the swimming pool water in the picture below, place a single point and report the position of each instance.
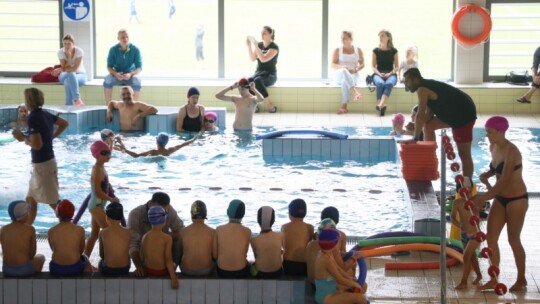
(373, 200)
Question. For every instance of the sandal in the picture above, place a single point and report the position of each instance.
(273, 110)
(342, 111)
(383, 110)
(523, 100)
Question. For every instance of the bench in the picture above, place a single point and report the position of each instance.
(295, 96)
(95, 288)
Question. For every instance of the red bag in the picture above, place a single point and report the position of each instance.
(45, 75)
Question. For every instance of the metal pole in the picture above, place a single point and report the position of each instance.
(443, 220)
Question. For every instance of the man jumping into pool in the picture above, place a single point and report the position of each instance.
(441, 105)
(244, 103)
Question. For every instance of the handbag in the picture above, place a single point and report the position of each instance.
(517, 78)
(45, 75)
(369, 83)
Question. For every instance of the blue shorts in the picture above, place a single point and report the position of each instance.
(134, 82)
(72, 269)
(24, 270)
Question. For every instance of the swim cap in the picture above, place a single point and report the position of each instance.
(161, 198)
(498, 123)
(212, 115)
(266, 217)
(326, 223)
(114, 211)
(65, 210)
(157, 215)
(243, 82)
(330, 212)
(398, 118)
(162, 139)
(105, 133)
(198, 210)
(236, 209)
(18, 209)
(328, 239)
(193, 91)
(97, 147)
(297, 208)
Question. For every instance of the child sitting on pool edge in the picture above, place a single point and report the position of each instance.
(267, 247)
(18, 242)
(156, 248)
(296, 236)
(67, 243)
(114, 243)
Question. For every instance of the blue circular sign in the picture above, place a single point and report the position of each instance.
(76, 9)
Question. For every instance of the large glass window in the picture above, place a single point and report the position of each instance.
(514, 37)
(29, 35)
(297, 25)
(166, 31)
(421, 23)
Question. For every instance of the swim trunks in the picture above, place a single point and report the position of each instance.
(24, 270)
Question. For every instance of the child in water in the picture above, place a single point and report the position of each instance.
(397, 125)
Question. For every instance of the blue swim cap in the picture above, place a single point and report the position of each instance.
(18, 209)
(162, 139)
(328, 239)
(297, 208)
(157, 215)
(236, 209)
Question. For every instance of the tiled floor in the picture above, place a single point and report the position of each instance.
(423, 286)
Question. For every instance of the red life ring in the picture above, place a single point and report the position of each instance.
(471, 8)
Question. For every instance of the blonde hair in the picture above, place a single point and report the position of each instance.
(122, 31)
(414, 51)
(34, 98)
(69, 37)
(348, 34)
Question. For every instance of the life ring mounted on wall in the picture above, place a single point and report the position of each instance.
(466, 9)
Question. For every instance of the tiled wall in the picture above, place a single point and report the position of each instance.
(94, 118)
(138, 291)
(372, 149)
(315, 98)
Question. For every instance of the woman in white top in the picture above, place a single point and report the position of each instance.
(347, 61)
(72, 73)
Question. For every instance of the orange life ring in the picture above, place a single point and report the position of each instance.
(471, 8)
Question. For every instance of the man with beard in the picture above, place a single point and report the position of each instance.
(131, 111)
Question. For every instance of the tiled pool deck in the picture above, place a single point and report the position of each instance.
(422, 286)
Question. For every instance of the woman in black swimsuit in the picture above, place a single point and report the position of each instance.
(510, 196)
(191, 116)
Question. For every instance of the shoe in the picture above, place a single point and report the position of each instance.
(273, 110)
(383, 110)
(342, 111)
(378, 108)
(257, 109)
(523, 100)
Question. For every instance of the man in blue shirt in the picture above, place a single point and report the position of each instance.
(124, 64)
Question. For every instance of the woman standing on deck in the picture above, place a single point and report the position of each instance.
(510, 196)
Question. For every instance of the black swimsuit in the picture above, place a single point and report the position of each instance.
(504, 201)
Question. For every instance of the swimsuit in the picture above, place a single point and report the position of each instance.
(113, 271)
(24, 270)
(234, 274)
(72, 269)
(324, 287)
(156, 272)
(192, 124)
(504, 201)
(465, 238)
(295, 268)
(95, 201)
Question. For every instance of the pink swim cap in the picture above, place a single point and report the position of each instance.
(97, 147)
(498, 123)
(398, 118)
(210, 114)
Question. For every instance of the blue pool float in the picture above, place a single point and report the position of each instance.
(84, 205)
(275, 134)
(361, 265)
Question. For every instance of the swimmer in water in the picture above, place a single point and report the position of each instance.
(22, 116)
(161, 141)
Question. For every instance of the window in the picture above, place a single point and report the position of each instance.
(425, 24)
(29, 36)
(515, 35)
(165, 31)
(298, 35)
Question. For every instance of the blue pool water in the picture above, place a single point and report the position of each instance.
(373, 200)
